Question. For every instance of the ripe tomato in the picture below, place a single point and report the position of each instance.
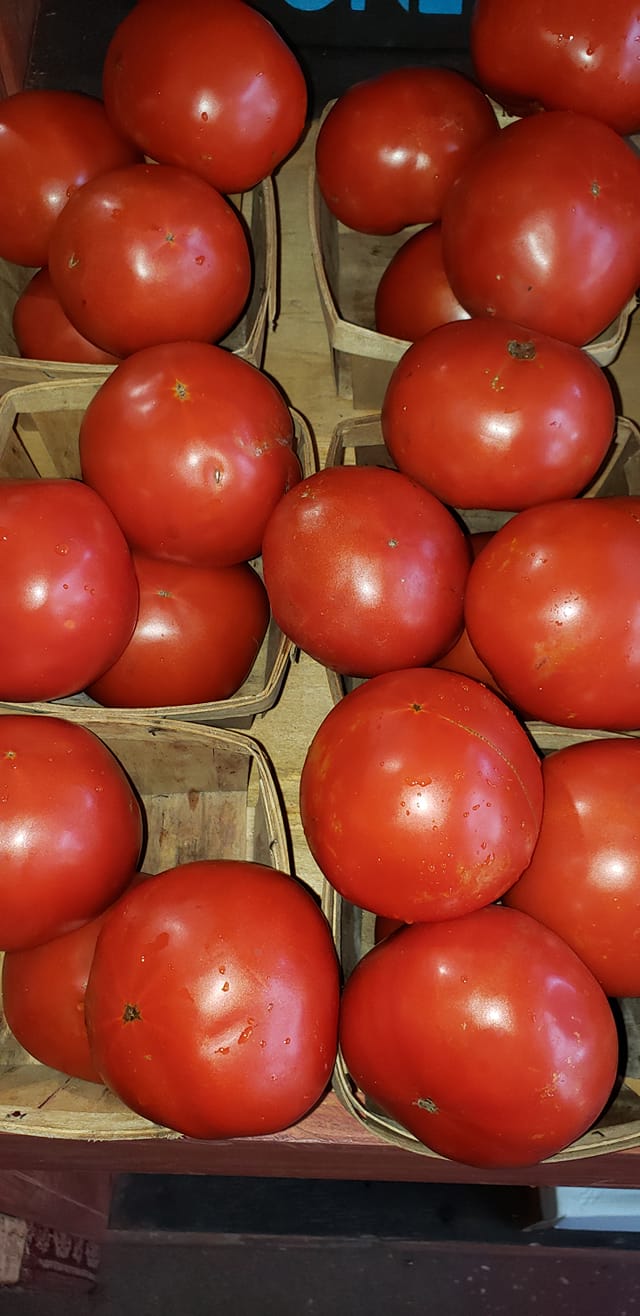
(208, 85)
(51, 143)
(212, 1002)
(543, 226)
(70, 829)
(149, 254)
(462, 657)
(390, 146)
(42, 330)
(68, 589)
(414, 294)
(560, 55)
(421, 795)
(365, 570)
(485, 1036)
(527, 418)
(584, 877)
(198, 634)
(552, 608)
(191, 447)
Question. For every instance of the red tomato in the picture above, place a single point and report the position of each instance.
(68, 589)
(462, 657)
(390, 147)
(552, 607)
(421, 795)
(149, 254)
(198, 634)
(485, 1036)
(208, 85)
(414, 294)
(212, 1002)
(543, 226)
(71, 828)
(365, 570)
(51, 143)
(584, 877)
(42, 329)
(191, 447)
(561, 55)
(527, 418)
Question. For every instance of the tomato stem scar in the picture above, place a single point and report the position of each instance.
(130, 1013)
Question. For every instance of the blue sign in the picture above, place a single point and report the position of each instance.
(409, 6)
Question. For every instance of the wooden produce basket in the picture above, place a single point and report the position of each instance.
(39, 428)
(353, 931)
(348, 267)
(206, 793)
(247, 339)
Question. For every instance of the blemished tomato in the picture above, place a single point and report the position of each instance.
(51, 143)
(560, 55)
(365, 570)
(70, 829)
(414, 294)
(527, 418)
(149, 254)
(584, 877)
(68, 589)
(212, 1002)
(191, 447)
(485, 1036)
(390, 147)
(552, 608)
(543, 226)
(42, 330)
(198, 633)
(420, 795)
(208, 85)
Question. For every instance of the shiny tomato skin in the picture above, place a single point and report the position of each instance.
(210, 86)
(560, 55)
(191, 447)
(420, 793)
(462, 657)
(212, 1003)
(543, 226)
(365, 570)
(51, 143)
(43, 331)
(514, 1057)
(149, 254)
(527, 417)
(198, 634)
(390, 146)
(62, 550)
(414, 294)
(584, 877)
(552, 608)
(71, 828)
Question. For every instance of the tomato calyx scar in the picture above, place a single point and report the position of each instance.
(521, 350)
(130, 1014)
(427, 1103)
(181, 391)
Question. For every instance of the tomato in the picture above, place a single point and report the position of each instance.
(51, 143)
(208, 85)
(198, 634)
(561, 55)
(191, 447)
(42, 329)
(149, 254)
(390, 146)
(421, 795)
(414, 294)
(462, 657)
(68, 589)
(527, 418)
(212, 1002)
(485, 1036)
(543, 226)
(552, 608)
(365, 570)
(70, 829)
(584, 877)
